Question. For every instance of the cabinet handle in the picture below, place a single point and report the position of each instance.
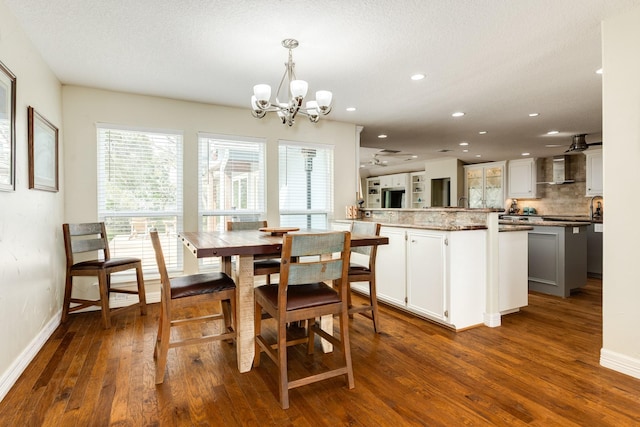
(413, 241)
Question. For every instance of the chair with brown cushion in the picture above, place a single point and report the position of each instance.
(92, 237)
(302, 294)
(262, 265)
(185, 291)
(365, 272)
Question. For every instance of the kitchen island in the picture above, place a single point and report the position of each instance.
(443, 264)
(557, 254)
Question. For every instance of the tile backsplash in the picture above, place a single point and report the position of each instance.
(560, 199)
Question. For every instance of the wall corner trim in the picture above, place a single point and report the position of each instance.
(11, 375)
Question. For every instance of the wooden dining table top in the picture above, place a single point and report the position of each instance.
(205, 244)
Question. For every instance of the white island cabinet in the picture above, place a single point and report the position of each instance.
(439, 275)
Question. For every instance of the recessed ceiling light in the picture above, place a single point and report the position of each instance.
(382, 136)
(553, 145)
(465, 151)
(553, 132)
(534, 114)
(351, 108)
(362, 166)
(418, 76)
(414, 157)
(483, 132)
(599, 71)
(385, 161)
(478, 155)
(526, 154)
(464, 143)
(458, 114)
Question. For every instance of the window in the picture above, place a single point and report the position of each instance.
(306, 185)
(231, 180)
(139, 188)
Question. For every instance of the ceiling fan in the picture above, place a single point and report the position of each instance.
(579, 143)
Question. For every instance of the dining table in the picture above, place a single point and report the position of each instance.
(244, 246)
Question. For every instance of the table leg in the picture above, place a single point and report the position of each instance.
(244, 312)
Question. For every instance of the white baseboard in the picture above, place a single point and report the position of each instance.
(620, 362)
(492, 320)
(9, 378)
(11, 375)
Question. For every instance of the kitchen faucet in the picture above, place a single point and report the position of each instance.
(597, 213)
(460, 199)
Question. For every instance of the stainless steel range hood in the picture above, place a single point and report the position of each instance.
(560, 171)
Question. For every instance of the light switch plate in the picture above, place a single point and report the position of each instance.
(576, 230)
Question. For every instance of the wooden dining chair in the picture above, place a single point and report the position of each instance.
(92, 237)
(303, 295)
(263, 265)
(181, 292)
(365, 272)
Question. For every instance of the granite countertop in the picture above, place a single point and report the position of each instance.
(424, 226)
(514, 227)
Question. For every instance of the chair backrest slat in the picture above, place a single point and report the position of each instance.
(297, 248)
(87, 245)
(364, 227)
(86, 237)
(245, 225)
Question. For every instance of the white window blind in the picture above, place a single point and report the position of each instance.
(231, 180)
(306, 185)
(139, 188)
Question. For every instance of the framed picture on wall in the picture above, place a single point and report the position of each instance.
(7, 129)
(43, 152)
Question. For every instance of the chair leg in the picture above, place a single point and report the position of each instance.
(349, 304)
(162, 345)
(346, 346)
(282, 365)
(103, 287)
(142, 297)
(310, 335)
(373, 297)
(67, 297)
(268, 279)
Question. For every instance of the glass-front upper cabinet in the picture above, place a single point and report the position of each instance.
(484, 185)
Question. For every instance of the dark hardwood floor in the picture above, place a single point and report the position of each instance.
(539, 368)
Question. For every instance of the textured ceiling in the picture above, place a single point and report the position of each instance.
(495, 60)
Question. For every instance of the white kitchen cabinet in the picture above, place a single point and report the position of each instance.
(398, 180)
(417, 190)
(522, 177)
(513, 271)
(594, 172)
(373, 193)
(440, 275)
(426, 281)
(391, 267)
(484, 185)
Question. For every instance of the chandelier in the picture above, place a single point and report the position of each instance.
(297, 90)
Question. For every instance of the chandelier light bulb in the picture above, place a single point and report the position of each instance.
(323, 97)
(262, 92)
(299, 88)
(312, 108)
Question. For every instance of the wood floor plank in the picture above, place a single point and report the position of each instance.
(540, 368)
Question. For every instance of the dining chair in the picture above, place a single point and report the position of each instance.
(189, 291)
(92, 237)
(365, 272)
(263, 265)
(307, 263)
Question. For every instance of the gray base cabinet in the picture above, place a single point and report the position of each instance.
(557, 259)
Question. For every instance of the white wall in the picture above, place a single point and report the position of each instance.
(445, 168)
(31, 255)
(621, 152)
(84, 107)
